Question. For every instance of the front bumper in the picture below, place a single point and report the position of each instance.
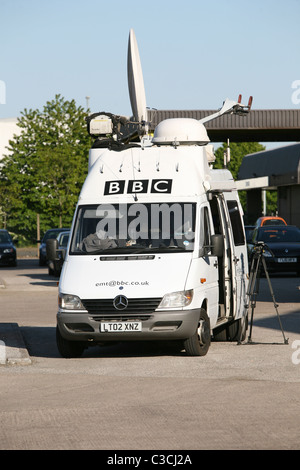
(159, 325)
(274, 265)
(7, 259)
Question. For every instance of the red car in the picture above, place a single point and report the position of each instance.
(282, 253)
(269, 220)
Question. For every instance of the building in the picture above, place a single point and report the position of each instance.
(8, 127)
(273, 169)
(277, 169)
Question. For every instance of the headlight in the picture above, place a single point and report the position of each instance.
(267, 254)
(70, 302)
(8, 250)
(177, 299)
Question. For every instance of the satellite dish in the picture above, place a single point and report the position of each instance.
(135, 80)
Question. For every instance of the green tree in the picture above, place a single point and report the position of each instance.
(46, 167)
(238, 150)
(237, 153)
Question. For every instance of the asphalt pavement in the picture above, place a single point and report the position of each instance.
(129, 396)
(33, 278)
(30, 277)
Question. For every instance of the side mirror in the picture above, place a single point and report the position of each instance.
(51, 249)
(63, 253)
(217, 248)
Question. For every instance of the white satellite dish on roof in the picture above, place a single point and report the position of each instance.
(107, 127)
(135, 80)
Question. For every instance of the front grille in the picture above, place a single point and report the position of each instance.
(120, 317)
(135, 306)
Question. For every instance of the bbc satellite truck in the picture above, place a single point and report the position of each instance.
(157, 248)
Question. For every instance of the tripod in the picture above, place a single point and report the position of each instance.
(257, 263)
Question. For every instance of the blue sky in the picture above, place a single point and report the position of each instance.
(194, 53)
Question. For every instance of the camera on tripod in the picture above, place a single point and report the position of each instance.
(260, 248)
(258, 262)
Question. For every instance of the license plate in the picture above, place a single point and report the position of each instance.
(287, 260)
(124, 326)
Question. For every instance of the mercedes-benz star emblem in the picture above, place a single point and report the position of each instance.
(120, 302)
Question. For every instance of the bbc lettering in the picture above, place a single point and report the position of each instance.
(137, 186)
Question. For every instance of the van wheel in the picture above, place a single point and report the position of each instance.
(237, 330)
(220, 333)
(68, 348)
(198, 344)
(234, 331)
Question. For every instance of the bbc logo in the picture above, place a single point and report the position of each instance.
(137, 186)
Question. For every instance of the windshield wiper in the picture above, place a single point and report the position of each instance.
(158, 249)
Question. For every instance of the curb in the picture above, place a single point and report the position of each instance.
(12, 346)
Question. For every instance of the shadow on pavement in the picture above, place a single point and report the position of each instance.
(41, 342)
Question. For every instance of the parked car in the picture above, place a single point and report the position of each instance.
(51, 233)
(282, 251)
(249, 231)
(269, 220)
(8, 252)
(55, 264)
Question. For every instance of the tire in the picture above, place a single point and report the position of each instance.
(42, 262)
(220, 333)
(69, 349)
(56, 273)
(53, 272)
(234, 331)
(198, 344)
(237, 330)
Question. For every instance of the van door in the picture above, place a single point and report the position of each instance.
(233, 266)
(209, 262)
(239, 263)
(220, 222)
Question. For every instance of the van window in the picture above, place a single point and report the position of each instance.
(236, 223)
(134, 228)
(205, 233)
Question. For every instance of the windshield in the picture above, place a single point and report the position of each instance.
(63, 240)
(51, 234)
(134, 228)
(4, 237)
(276, 235)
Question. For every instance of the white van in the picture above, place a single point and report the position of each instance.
(157, 248)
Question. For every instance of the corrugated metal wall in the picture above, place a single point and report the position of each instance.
(259, 125)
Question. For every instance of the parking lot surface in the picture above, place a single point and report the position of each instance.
(148, 396)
